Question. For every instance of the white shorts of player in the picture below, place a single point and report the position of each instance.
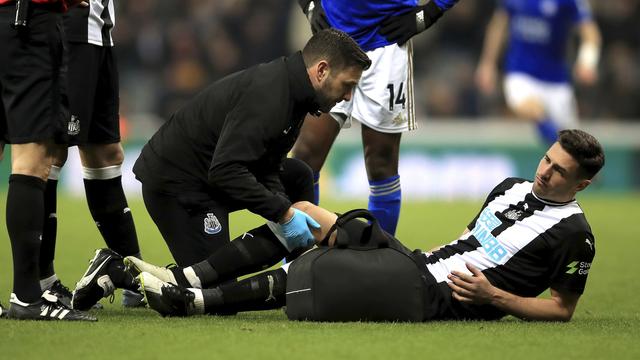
(383, 99)
(557, 98)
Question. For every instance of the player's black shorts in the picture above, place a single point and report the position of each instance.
(93, 95)
(33, 77)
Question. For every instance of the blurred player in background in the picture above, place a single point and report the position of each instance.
(95, 128)
(537, 82)
(383, 100)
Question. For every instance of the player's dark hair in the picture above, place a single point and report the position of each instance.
(338, 48)
(585, 149)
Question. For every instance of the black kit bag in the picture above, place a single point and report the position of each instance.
(371, 277)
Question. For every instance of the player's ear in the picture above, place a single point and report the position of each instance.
(583, 184)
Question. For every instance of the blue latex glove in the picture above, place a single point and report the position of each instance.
(296, 230)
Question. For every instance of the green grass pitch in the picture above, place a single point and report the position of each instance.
(606, 323)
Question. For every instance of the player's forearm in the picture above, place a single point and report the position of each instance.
(590, 43)
(528, 308)
(494, 38)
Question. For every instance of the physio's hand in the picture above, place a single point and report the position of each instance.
(315, 14)
(399, 29)
(296, 229)
(475, 289)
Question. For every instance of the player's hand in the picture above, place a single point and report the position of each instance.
(79, 3)
(399, 29)
(475, 288)
(486, 78)
(296, 229)
(585, 75)
(315, 14)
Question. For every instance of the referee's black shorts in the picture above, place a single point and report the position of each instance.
(93, 95)
(33, 77)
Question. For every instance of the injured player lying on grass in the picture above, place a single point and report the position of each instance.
(528, 236)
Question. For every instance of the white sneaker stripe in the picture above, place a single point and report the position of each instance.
(55, 312)
(63, 314)
(44, 311)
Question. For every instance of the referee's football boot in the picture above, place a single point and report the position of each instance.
(167, 274)
(165, 298)
(62, 292)
(3, 311)
(48, 307)
(95, 284)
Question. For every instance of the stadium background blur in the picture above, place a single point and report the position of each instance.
(169, 50)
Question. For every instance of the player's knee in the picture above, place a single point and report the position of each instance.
(59, 156)
(304, 206)
(530, 108)
(103, 155)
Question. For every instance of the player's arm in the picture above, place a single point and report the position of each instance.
(586, 66)
(477, 289)
(400, 28)
(494, 39)
(314, 12)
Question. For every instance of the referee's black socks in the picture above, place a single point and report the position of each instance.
(25, 214)
(109, 209)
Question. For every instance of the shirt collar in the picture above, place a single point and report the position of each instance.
(302, 90)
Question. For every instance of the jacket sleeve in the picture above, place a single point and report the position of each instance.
(242, 144)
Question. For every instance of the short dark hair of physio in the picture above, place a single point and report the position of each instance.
(337, 48)
(585, 149)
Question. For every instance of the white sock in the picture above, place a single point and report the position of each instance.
(45, 284)
(191, 276)
(199, 301)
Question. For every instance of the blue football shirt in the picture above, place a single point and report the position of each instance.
(361, 18)
(538, 35)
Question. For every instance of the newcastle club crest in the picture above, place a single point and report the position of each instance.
(73, 127)
(211, 224)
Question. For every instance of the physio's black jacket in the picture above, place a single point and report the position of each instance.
(230, 140)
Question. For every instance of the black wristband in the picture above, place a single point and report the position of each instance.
(432, 11)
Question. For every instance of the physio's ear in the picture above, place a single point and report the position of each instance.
(322, 70)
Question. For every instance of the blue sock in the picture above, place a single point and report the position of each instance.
(316, 187)
(548, 131)
(385, 197)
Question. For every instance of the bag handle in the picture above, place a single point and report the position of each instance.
(374, 231)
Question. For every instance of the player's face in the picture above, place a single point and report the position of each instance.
(557, 176)
(337, 86)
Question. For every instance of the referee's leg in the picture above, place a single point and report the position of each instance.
(30, 165)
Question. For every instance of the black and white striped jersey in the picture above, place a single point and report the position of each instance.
(91, 24)
(522, 244)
